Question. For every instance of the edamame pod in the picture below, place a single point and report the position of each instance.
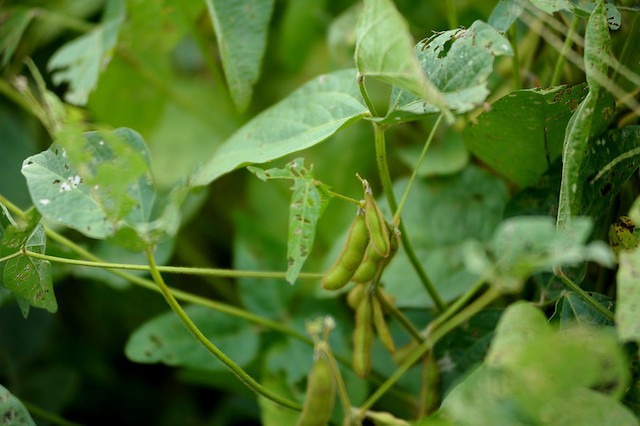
(321, 392)
(355, 296)
(351, 256)
(378, 231)
(381, 325)
(363, 337)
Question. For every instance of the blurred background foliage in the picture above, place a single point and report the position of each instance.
(160, 81)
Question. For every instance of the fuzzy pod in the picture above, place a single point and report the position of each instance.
(378, 230)
(381, 325)
(321, 394)
(351, 256)
(355, 296)
(363, 337)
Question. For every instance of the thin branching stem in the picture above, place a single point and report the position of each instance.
(586, 296)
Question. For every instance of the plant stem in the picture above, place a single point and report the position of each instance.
(429, 342)
(215, 272)
(235, 368)
(345, 198)
(400, 317)
(383, 170)
(516, 61)
(457, 305)
(452, 16)
(396, 216)
(11, 256)
(365, 95)
(46, 415)
(557, 71)
(586, 296)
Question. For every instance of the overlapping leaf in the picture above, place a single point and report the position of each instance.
(241, 31)
(305, 118)
(459, 63)
(165, 339)
(505, 13)
(522, 134)
(81, 61)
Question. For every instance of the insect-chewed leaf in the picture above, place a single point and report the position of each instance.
(303, 218)
(12, 412)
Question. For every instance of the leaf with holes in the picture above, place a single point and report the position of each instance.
(305, 118)
(306, 206)
(165, 339)
(522, 134)
(459, 63)
(241, 29)
(383, 51)
(12, 412)
(30, 278)
(628, 288)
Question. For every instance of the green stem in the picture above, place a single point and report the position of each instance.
(557, 71)
(396, 216)
(47, 416)
(235, 368)
(400, 317)
(345, 198)
(65, 21)
(365, 95)
(452, 15)
(11, 256)
(383, 170)
(457, 305)
(215, 272)
(586, 296)
(516, 61)
(429, 342)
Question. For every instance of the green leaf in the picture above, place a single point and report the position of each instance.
(30, 278)
(576, 141)
(11, 239)
(459, 63)
(100, 184)
(522, 133)
(80, 61)
(165, 339)
(305, 118)
(524, 245)
(12, 412)
(14, 22)
(628, 288)
(384, 51)
(303, 218)
(446, 156)
(552, 6)
(572, 309)
(440, 215)
(241, 30)
(504, 14)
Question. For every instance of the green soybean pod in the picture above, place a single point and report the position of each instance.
(363, 337)
(351, 256)
(321, 393)
(381, 325)
(355, 296)
(378, 231)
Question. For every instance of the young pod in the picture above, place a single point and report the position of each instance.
(378, 231)
(321, 392)
(363, 337)
(351, 256)
(381, 325)
(355, 296)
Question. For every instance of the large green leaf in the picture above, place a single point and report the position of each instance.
(576, 141)
(100, 184)
(165, 339)
(80, 61)
(241, 30)
(440, 215)
(305, 118)
(12, 412)
(459, 63)
(524, 245)
(384, 51)
(522, 133)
